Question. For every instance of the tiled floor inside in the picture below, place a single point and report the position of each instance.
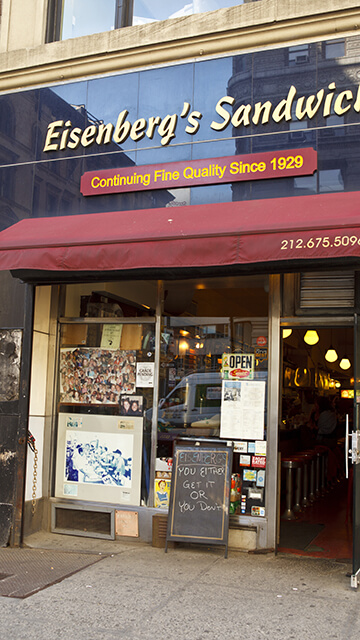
(324, 529)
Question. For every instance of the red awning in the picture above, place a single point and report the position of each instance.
(246, 232)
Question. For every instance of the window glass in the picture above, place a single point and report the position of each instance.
(111, 299)
(15, 194)
(152, 10)
(98, 365)
(202, 321)
(17, 140)
(106, 98)
(84, 17)
(207, 94)
(331, 180)
(299, 54)
(334, 49)
(176, 86)
(206, 322)
(103, 436)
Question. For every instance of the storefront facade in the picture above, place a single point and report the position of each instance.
(164, 219)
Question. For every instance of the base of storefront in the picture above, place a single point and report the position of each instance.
(114, 522)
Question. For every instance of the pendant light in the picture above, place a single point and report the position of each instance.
(331, 355)
(345, 363)
(286, 333)
(311, 337)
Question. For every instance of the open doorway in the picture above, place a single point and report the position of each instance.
(317, 395)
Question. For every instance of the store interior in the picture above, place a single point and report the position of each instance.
(317, 397)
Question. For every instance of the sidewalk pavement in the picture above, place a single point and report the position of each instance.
(191, 592)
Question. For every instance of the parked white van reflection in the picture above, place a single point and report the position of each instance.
(197, 397)
(195, 402)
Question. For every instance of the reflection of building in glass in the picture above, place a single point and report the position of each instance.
(310, 68)
(51, 186)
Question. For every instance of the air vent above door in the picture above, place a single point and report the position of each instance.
(327, 290)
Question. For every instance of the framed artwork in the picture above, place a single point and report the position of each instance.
(99, 458)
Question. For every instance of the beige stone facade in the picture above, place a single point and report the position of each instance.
(26, 60)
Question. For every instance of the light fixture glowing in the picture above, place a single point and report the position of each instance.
(184, 332)
(311, 337)
(286, 333)
(183, 345)
(345, 363)
(337, 384)
(331, 355)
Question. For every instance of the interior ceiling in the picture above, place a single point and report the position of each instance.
(297, 353)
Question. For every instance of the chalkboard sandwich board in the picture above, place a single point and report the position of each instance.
(200, 492)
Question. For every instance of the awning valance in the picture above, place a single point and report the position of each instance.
(215, 235)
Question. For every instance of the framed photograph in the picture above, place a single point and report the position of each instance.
(99, 458)
(131, 406)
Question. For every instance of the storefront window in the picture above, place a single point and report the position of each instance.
(214, 357)
(105, 389)
(105, 392)
(110, 299)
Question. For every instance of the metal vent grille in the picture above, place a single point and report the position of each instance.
(159, 531)
(327, 290)
(76, 520)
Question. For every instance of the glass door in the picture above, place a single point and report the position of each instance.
(355, 458)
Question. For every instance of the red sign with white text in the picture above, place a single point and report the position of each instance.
(258, 462)
(254, 166)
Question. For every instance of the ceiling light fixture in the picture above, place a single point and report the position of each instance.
(331, 355)
(345, 363)
(311, 337)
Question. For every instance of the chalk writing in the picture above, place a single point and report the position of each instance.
(199, 503)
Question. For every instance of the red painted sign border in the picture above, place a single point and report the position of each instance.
(228, 169)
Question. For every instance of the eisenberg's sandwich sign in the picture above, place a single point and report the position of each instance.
(327, 101)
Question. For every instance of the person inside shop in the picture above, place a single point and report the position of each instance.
(135, 409)
(326, 422)
(126, 408)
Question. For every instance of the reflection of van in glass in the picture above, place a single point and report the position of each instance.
(196, 397)
(194, 402)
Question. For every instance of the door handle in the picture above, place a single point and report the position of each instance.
(347, 446)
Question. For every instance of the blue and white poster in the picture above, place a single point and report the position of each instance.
(99, 458)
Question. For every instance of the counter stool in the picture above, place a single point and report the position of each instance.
(290, 464)
(308, 476)
(311, 478)
(322, 454)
